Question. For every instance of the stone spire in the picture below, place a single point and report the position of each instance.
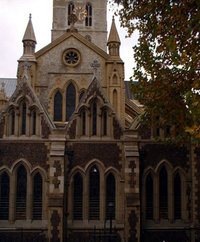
(29, 41)
(113, 40)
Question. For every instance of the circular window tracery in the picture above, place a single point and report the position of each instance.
(71, 57)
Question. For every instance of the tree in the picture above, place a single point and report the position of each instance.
(167, 62)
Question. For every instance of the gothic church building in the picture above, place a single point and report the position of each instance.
(75, 162)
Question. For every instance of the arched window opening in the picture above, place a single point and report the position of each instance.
(94, 119)
(149, 197)
(88, 20)
(110, 196)
(21, 193)
(23, 118)
(105, 123)
(4, 196)
(70, 101)
(12, 122)
(37, 197)
(115, 100)
(83, 122)
(81, 95)
(70, 10)
(163, 189)
(58, 106)
(177, 197)
(94, 190)
(34, 122)
(78, 197)
(167, 131)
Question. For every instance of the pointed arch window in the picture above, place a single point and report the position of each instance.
(83, 122)
(4, 196)
(88, 20)
(70, 101)
(58, 106)
(110, 196)
(21, 193)
(177, 196)
(94, 193)
(163, 193)
(34, 116)
(94, 119)
(149, 197)
(70, 10)
(23, 130)
(105, 122)
(37, 197)
(12, 122)
(78, 197)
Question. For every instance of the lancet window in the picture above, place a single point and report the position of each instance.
(70, 100)
(88, 20)
(177, 196)
(70, 10)
(37, 197)
(149, 197)
(94, 193)
(58, 106)
(110, 196)
(4, 196)
(21, 193)
(78, 197)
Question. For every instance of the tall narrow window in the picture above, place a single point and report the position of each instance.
(58, 106)
(83, 122)
(94, 191)
(4, 196)
(177, 197)
(78, 197)
(105, 123)
(149, 197)
(37, 197)
(163, 189)
(110, 197)
(21, 193)
(88, 20)
(23, 118)
(12, 122)
(94, 119)
(34, 123)
(70, 10)
(115, 100)
(70, 100)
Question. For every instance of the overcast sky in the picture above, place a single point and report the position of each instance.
(14, 16)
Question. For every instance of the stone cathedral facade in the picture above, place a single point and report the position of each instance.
(74, 156)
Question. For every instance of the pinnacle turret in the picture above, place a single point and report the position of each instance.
(113, 40)
(29, 41)
(29, 33)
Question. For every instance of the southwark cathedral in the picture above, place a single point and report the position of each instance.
(76, 163)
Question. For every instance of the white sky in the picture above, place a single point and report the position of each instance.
(14, 16)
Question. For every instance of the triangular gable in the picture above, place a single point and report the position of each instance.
(77, 36)
(95, 90)
(24, 89)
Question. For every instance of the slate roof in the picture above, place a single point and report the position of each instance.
(10, 85)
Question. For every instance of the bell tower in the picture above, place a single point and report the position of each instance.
(91, 19)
